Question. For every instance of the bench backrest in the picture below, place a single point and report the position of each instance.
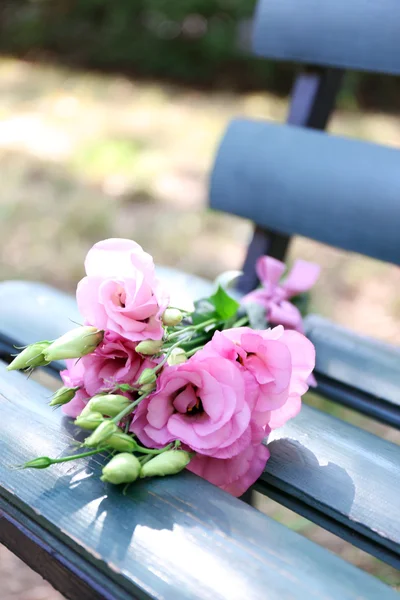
(292, 181)
(356, 34)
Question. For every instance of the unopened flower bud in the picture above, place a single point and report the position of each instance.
(122, 442)
(42, 462)
(89, 420)
(31, 357)
(63, 396)
(125, 387)
(147, 376)
(177, 357)
(172, 317)
(145, 389)
(88, 409)
(110, 404)
(101, 434)
(74, 344)
(166, 463)
(123, 468)
(149, 347)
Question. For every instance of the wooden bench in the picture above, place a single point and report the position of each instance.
(181, 537)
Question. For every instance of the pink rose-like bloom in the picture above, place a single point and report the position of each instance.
(234, 475)
(223, 401)
(204, 403)
(114, 361)
(120, 292)
(207, 404)
(274, 296)
(280, 362)
(72, 376)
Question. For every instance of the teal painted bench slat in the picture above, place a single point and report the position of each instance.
(341, 477)
(377, 366)
(356, 34)
(293, 180)
(175, 538)
(367, 368)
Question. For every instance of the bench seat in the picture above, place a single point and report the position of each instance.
(339, 476)
(359, 372)
(177, 537)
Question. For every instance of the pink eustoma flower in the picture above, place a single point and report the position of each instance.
(114, 361)
(120, 292)
(234, 475)
(274, 295)
(280, 362)
(205, 403)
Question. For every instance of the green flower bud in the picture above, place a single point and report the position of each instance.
(90, 420)
(125, 387)
(42, 462)
(101, 434)
(172, 317)
(74, 344)
(177, 357)
(123, 468)
(63, 396)
(147, 376)
(166, 463)
(145, 389)
(122, 442)
(87, 410)
(30, 358)
(149, 347)
(110, 404)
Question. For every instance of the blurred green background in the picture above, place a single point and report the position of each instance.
(110, 116)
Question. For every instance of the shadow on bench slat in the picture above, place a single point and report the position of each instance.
(339, 476)
(177, 537)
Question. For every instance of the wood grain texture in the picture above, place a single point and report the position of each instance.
(178, 537)
(364, 363)
(359, 372)
(276, 175)
(354, 35)
(53, 560)
(340, 476)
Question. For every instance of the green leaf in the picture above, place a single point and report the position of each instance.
(224, 304)
(257, 316)
(204, 311)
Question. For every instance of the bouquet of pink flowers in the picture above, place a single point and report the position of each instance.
(162, 389)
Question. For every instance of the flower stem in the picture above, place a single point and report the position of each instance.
(153, 451)
(74, 456)
(190, 353)
(241, 322)
(128, 409)
(191, 328)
